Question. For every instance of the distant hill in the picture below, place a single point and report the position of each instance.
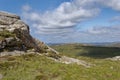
(76, 50)
(113, 44)
(106, 44)
(82, 44)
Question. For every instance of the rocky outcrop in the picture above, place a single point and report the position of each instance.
(15, 39)
(15, 35)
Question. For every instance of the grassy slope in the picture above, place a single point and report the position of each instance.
(103, 69)
(34, 67)
(77, 50)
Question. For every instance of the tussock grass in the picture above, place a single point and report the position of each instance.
(35, 67)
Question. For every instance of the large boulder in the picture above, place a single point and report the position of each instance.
(15, 35)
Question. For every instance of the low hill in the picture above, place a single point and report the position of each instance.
(114, 44)
(87, 50)
(106, 44)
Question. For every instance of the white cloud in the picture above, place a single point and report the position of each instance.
(66, 16)
(105, 30)
(114, 4)
(63, 19)
(95, 34)
(115, 19)
(26, 7)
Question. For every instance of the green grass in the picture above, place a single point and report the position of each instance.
(35, 67)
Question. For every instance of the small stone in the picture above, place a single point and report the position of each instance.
(1, 76)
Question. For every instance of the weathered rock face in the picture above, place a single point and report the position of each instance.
(14, 35)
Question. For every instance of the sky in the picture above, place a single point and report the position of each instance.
(69, 21)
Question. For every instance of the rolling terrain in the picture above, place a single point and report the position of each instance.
(106, 44)
(77, 50)
(36, 67)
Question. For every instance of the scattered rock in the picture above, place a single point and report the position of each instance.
(1, 76)
(116, 58)
(68, 60)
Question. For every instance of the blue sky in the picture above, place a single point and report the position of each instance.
(65, 21)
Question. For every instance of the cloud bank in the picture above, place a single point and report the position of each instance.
(64, 19)
(66, 16)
